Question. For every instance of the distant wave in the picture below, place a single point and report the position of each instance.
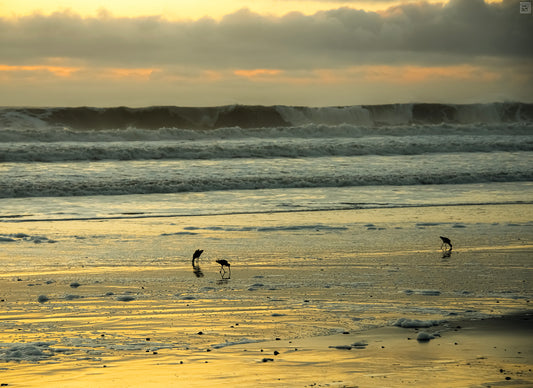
(244, 116)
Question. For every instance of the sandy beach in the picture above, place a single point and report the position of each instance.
(481, 353)
(358, 176)
(336, 301)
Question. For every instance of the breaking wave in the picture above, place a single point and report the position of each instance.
(46, 152)
(244, 116)
(76, 134)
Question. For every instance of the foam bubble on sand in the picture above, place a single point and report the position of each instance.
(72, 297)
(355, 345)
(360, 344)
(12, 237)
(125, 298)
(243, 341)
(32, 352)
(40, 239)
(94, 346)
(186, 297)
(415, 323)
(424, 337)
(340, 347)
(423, 292)
(20, 235)
(179, 234)
(422, 225)
(24, 237)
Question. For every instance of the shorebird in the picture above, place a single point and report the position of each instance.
(446, 243)
(224, 263)
(196, 255)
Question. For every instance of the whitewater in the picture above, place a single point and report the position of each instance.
(291, 158)
(330, 217)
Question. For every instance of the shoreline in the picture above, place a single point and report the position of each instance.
(117, 303)
(252, 213)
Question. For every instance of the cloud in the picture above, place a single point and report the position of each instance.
(459, 51)
(355, 1)
(318, 87)
(257, 73)
(421, 33)
(59, 71)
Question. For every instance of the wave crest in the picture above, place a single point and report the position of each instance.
(254, 116)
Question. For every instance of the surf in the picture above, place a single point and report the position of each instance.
(258, 116)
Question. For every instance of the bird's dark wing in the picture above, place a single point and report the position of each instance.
(197, 253)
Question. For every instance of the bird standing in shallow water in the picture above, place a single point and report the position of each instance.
(224, 263)
(196, 255)
(196, 266)
(446, 243)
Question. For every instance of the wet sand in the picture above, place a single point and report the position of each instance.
(311, 302)
(250, 335)
(488, 352)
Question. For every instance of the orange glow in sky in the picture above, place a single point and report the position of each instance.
(59, 71)
(215, 52)
(257, 73)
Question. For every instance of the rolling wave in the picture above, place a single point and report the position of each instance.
(67, 188)
(174, 176)
(46, 152)
(243, 116)
(260, 148)
(316, 131)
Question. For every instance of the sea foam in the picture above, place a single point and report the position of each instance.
(246, 116)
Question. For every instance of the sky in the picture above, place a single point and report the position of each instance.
(266, 52)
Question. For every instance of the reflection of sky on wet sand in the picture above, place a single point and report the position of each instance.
(294, 276)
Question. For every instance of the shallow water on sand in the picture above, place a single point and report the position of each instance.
(119, 289)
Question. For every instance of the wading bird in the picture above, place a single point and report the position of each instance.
(224, 263)
(196, 255)
(446, 243)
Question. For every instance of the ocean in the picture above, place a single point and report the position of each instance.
(98, 163)
(330, 218)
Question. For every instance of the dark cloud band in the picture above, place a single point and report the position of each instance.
(423, 33)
